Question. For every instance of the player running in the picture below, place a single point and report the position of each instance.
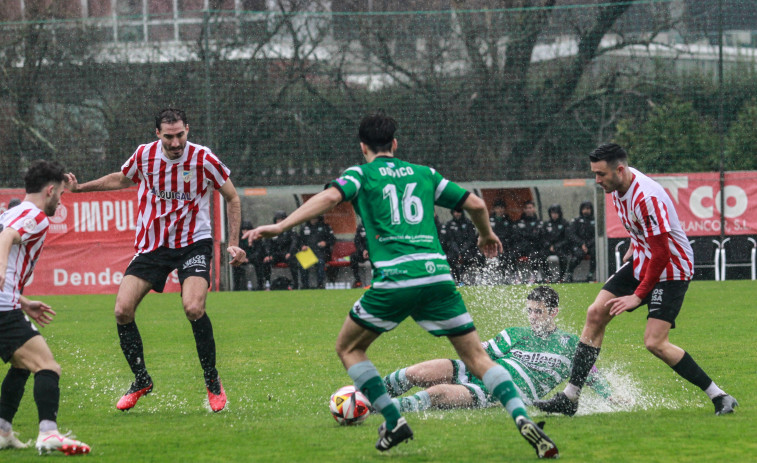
(395, 200)
(537, 357)
(658, 273)
(175, 179)
(22, 233)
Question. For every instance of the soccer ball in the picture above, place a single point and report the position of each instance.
(349, 406)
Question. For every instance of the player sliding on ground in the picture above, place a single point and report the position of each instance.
(537, 357)
(395, 200)
(657, 270)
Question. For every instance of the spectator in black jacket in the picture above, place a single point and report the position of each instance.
(581, 236)
(441, 230)
(556, 233)
(359, 256)
(317, 235)
(462, 250)
(504, 228)
(530, 240)
(282, 249)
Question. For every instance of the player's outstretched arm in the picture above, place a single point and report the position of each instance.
(488, 242)
(315, 206)
(114, 181)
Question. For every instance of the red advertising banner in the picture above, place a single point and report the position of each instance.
(697, 200)
(90, 243)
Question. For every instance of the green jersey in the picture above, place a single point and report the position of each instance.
(395, 200)
(538, 364)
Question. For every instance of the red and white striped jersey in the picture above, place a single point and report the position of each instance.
(32, 224)
(174, 195)
(647, 210)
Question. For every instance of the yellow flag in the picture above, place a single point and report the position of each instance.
(306, 258)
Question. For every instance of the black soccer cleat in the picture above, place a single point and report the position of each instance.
(724, 404)
(559, 403)
(538, 439)
(388, 439)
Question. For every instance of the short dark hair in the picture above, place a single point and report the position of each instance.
(41, 173)
(169, 116)
(610, 153)
(377, 131)
(545, 295)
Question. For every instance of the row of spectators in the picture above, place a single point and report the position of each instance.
(282, 249)
(528, 242)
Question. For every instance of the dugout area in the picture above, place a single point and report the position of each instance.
(259, 204)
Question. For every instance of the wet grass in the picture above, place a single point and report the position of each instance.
(277, 362)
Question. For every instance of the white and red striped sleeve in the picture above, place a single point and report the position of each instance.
(131, 168)
(214, 170)
(653, 215)
(32, 225)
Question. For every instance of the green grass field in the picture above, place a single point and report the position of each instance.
(277, 362)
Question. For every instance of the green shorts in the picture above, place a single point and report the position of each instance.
(438, 309)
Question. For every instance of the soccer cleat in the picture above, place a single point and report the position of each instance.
(129, 400)
(559, 403)
(10, 441)
(724, 404)
(50, 441)
(357, 284)
(216, 395)
(533, 433)
(388, 439)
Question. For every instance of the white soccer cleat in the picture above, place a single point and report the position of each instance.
(10, 441)
(50, 441)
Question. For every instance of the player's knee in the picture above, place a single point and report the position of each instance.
(124, 314)
(655, 346)
(597, 315)
(194, 311)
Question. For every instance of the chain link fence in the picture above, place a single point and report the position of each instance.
(483, 90)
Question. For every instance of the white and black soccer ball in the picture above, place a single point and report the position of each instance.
(349, 406)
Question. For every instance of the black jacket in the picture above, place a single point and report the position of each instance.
(556, 231)
(529, 236)
(581, 230)
(461, 237)
(360, 241)
(311, 235)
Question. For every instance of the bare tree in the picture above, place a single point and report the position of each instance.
(523, 65)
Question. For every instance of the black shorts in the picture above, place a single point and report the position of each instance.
(15, 330)
(663, 302)
(155, 266)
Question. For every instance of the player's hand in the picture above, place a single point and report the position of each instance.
(38, 311)
(264, 231)
(619, 305)
(71, 184)
(490, 245)
(238, 256)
